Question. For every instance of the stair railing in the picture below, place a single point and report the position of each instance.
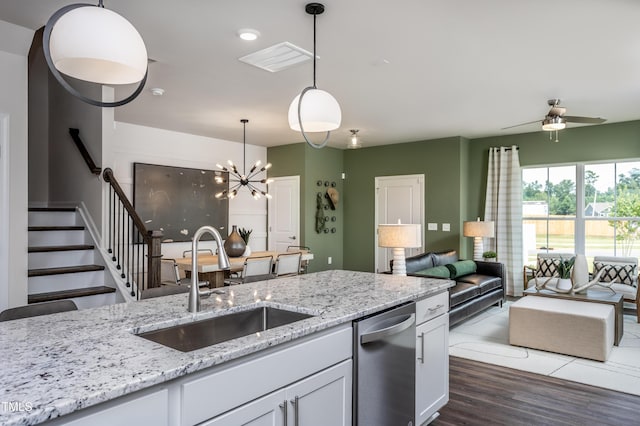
(75, 135)
(135, 250)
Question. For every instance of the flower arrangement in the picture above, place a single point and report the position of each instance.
(564, 267)
(489, 255)
(245, 234)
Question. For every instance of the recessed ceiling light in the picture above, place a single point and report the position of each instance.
(157, 91)
(248, 34)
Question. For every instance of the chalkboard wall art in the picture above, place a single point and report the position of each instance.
(178, 200)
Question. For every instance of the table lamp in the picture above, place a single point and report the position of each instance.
(478, 230)
(399, 236)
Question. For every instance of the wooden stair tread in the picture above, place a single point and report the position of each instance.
(64, 270)
(56, 228)
(52, 209)
(44, 249)
(68, 294)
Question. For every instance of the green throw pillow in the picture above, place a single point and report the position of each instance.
(461, 268)
(437, 271)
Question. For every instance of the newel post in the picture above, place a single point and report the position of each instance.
(155, 255)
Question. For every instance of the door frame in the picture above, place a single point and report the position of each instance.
(377, 181)
(4, 211)
(271, 211)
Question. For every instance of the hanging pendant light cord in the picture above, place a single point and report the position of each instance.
(314, 51)
(244, 147)
(314, 87)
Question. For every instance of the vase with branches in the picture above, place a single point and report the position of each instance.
(245, 234)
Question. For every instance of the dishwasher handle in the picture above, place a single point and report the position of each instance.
(372, 336)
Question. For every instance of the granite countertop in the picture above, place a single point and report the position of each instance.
(56, 364)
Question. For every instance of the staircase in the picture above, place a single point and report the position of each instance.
(64, 262)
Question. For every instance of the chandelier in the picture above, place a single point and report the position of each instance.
(238, 180)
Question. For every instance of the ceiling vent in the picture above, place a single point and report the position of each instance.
(277, 57)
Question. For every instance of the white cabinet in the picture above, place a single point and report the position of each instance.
(432, 356)
(150, 408)
(266, 411)
(319, 400)
(312, 370)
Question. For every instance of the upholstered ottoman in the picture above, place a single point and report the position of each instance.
(568, 327)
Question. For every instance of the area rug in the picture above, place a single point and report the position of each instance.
(485, 338)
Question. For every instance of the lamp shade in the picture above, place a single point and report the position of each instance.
(478, 229)
(319, 112)
(98, 45)
(399, 235)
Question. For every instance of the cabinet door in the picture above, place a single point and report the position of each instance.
(322, 399)
(266, 411)
(432, 367)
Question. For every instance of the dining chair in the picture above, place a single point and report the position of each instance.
(189, 253)
(304, 264)
(38, 309)
(165, 290)
(288, 264)
(255, 268)
(169, 272)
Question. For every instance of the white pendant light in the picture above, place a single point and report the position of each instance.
(97, 45)
(314, 110)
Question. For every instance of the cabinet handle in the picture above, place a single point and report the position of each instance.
(435, 308)
(421, 357)
(283, 406)
(295, 403)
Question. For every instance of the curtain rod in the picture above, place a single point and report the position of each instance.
(507, 148)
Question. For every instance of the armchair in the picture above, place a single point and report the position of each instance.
(546, 268)
(622, 272)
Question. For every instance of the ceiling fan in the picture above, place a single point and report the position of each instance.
(556, 120)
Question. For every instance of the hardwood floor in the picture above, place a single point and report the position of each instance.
(484, 394)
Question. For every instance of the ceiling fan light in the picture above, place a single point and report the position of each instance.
(354, 141)
(551, 124)
(319, 112)
(98, 45)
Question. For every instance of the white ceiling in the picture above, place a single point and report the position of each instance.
(402, 70)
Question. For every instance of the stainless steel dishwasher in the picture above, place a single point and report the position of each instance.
(385, 350)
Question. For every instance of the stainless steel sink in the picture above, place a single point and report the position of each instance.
(199, 334)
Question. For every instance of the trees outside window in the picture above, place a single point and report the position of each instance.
(608, 222)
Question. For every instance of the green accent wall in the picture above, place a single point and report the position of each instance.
(455, 172)
(313, 165)
(439, 160)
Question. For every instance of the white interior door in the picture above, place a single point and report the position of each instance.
(398, 198)
(284, 213)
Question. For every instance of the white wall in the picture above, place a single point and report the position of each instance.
(129, 143)
(70, 180)
(14, 47)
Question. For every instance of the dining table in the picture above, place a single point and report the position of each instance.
(208, 269)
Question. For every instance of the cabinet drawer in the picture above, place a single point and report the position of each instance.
(431, 307)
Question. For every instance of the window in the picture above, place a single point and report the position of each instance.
(548, 210)
(612, 209)
(608, 222)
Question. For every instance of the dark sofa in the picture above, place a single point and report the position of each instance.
(473, 292)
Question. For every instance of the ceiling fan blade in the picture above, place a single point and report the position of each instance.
(521, 124)
(557, 111)
(588, 120)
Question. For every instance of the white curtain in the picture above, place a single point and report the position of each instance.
(503, 205)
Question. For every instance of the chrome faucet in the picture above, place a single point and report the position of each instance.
(223, 263)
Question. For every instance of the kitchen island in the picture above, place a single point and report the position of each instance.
(73, 362)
